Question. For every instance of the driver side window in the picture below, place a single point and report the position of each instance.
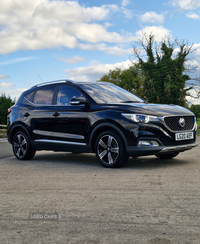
(65, 94)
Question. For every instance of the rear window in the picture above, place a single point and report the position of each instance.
(29, 96)
(44, 96)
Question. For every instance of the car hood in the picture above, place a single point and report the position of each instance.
(159, 109)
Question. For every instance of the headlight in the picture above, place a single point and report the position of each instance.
(141, 118)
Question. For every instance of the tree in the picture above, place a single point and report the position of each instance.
(5, 103)
(196, 110)
(164, 70)
(130, 79)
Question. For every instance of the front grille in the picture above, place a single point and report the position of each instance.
(173, 123)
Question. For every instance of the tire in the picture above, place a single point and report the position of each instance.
(167, 156)
(110, 150)
(22, 148)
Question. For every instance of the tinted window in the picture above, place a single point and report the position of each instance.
(44, 96)
(29, 96)
(66, 93)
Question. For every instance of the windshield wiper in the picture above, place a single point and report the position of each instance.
(130, 101)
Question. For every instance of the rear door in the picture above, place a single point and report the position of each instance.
(36, 113)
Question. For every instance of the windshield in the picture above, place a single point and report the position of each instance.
(109, 93)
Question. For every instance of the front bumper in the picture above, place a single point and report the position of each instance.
(152, 150)
(153, 139)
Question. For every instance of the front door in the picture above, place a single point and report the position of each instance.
(69, 123)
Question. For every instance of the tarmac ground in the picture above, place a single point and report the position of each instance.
(70, 198)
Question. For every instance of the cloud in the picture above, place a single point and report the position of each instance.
(94, 71)
(39, 24)
(72, 60)
(17, 60)
(128, 14)
(111, 50)
(152, 17)
(158, 31)
(2, 77)
(194, 61)
(11, 90)
(186, 4)
(193, 98)
(193, 15)
(72, 11)
(5, 85)
(95, 33)
(125, 3)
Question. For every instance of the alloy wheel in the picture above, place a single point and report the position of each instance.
(108, 149)
(20, 146)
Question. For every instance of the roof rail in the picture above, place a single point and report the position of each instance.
(52, 82)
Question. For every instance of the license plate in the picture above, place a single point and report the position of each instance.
(184, 136)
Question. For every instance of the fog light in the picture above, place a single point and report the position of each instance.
(147, 143)
(154, 144)
(144, 143)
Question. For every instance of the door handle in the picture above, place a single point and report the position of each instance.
(56, 114)
(26, 114)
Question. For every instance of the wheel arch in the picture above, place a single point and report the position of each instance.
(103, 127)
(17, 128)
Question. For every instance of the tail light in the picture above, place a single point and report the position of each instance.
(10, 109)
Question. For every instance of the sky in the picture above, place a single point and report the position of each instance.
(46, 40)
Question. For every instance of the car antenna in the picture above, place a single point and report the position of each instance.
(41, 79)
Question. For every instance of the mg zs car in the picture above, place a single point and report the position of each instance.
(97, 118)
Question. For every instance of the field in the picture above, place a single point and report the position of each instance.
(198, 124)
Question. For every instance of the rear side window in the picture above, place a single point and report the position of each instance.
(29, 96)
(44, 96)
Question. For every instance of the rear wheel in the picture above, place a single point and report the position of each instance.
(110, 150)
(21, 146)
(167, 156)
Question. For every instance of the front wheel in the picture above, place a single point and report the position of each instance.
(110, 150)
(21, 146)
(167, 156)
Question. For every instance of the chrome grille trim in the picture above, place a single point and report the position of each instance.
(171, 123)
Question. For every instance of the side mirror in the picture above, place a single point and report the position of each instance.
(79, 101)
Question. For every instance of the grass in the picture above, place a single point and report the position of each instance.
(2, 134)
(198, 122)
(2, 131)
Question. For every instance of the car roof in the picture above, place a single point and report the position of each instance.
(52, 82)
(68, 81)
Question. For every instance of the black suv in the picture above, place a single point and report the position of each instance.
(97, 117)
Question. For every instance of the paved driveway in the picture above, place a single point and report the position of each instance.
(67, 198)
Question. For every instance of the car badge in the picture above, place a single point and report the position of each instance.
(181, 122)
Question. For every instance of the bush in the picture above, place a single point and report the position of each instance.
(196, 110)
(5, 103)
